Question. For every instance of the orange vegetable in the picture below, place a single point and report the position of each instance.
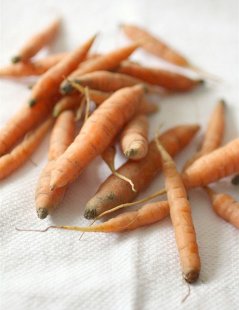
(66, 103)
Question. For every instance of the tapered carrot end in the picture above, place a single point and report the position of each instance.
(90, 214)
(222, 102)
(42, 213)
(32, 102)
(191, 276)
(16, 59)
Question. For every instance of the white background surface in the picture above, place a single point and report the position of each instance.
(134, 270)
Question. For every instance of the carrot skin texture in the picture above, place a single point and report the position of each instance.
(21, 153)
(225, 206)
(37, 42)
(214, 166)
(123, 103)
(170, 80)
(66, 103)
(113, 192)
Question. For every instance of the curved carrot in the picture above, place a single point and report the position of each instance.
(214, 134)
(180, 213)
(50, 81)
(37, 42)
(134, 138)
(21, 153)
(168, 79)
(214, 166)
(66, 103)
(113, 191)
(62, 136)
(96, 134)
(225, 206)
(104, 62)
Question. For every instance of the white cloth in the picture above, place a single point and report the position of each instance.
(139, 269)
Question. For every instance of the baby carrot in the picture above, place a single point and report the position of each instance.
(180, 213)
(50, 81)
(104, 62)
(62, 136)
(97, 134)
(37, 42)
(168, 79)
(114, 191)
(21, 153)
(214, 134)
(225, 206)
(134, 138)
(38, 67)
(66, 103)
(213, 166)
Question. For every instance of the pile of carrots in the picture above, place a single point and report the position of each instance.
(67, 85)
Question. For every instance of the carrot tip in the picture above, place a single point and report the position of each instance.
(90, 214)
(223, 102)
(201, 82)
(16, 59)
(66, 89)
(42, 213)
(131, 153)
(32, 102)
(235, 180)
(191, 276)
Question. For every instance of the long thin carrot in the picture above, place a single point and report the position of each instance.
(50, 81)
(134, 138)
(180, 213)
(38, 67)
(168, 79)
(214, 166)
(66, 103)
(37, 42)
(96, 134)
(214, 133)
(113, 191)
(104, 62)
(225, 206)
(62, 136)
(21, 153)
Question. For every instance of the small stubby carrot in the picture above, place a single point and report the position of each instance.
(170, 80)
(113, 191)
(105, 62)
(214, 133)
(180, 213)
(38, 67)
(66, 103)
(50, 81)
(97, 134)
(225, 206)
(37, 42)
(62, 135)
(134, 138)
(214, 166)
(22, 152)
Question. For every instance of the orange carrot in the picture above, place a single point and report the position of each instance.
(168, 79)
(214, 134)
(22, 152)
(66, 103)
(50, 81)
(104, 62)
(180, 213)
(37, 42)
(214, 166)
(62, 136)
(134, 138)
(38, 67)
(235, 180)
(147, 107)
(96, 134)
(225, 206)
(114, 191)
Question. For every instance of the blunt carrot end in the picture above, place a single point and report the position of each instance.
(15, 59)
(42, 213)
(191, 276)
(32, 102)
(66, 89)
(235, 180)
(90, 214)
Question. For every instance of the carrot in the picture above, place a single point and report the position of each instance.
(180, 213)
(214, 166)
(37, 42)
(50, 81)
(134, 138)
(168, 79)
(104, 62)
(235, 180)
(66, 103)
(21, 153)
(147, 107)
(96, 134)
(38, 67)
(225, 206)
(23, 121)
(114, 191)
(214, 134)
(62, 136)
